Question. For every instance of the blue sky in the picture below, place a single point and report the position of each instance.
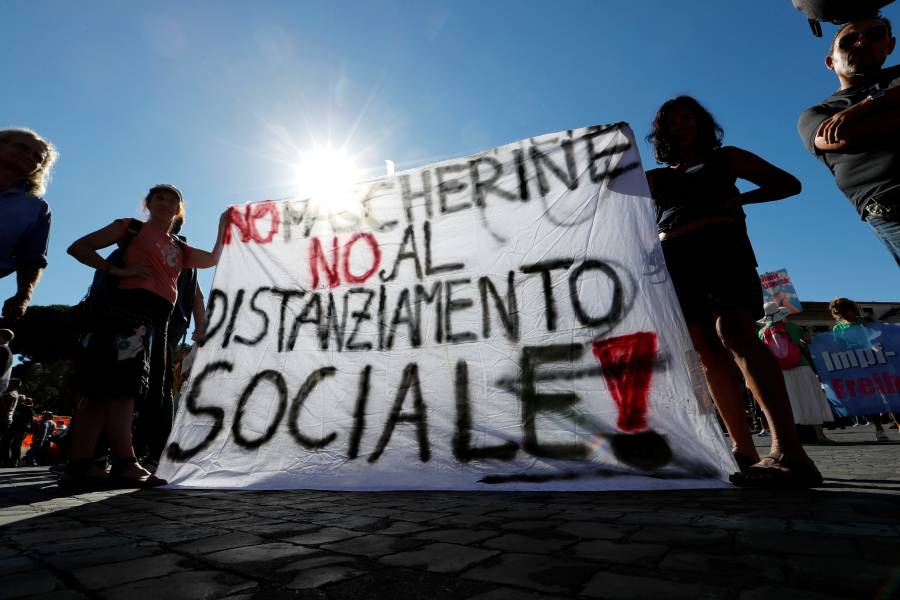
(216, 97)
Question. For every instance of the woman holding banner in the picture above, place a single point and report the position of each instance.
(847, 318)
(704, 239)
(124, 352)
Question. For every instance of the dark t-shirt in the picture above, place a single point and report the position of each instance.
(22, 419)
(687, 196)
(860, 175)
(180, 319)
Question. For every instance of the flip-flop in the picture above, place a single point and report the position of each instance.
(119, 481)
(743, 461)
(779, 473)
(81, 475)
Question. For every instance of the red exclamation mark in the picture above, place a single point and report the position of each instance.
(627, 363)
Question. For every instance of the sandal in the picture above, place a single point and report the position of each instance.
(779, 473)
(127, 473)
(82, 474)
(743, 461)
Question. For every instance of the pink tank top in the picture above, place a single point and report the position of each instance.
(159, 251)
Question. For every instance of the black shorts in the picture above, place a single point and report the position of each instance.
(712, 270)
(124, 353)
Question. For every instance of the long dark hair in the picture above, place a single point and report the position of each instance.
(709, 136)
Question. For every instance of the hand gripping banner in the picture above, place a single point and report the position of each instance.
(502, 321)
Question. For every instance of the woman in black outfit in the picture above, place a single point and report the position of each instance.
(709, 257)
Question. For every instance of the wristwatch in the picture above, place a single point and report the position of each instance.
(875, 95)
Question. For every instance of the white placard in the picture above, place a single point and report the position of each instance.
(502, 321)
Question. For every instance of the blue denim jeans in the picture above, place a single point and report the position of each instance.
(889, 234)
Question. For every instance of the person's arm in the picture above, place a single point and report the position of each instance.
(196, 258)
(31, 258)
(772, 183)
(871, 123)
(199, 312)
(26, 279)
(84, 250)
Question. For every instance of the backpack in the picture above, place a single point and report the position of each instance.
(782, 346)
(103, 283)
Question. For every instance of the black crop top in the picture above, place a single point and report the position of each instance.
(699, 193)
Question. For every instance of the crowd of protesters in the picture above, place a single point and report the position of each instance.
(128, 350)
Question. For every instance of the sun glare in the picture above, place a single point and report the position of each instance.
(326, 175)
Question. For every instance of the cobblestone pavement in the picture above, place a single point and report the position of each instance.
(838, 541)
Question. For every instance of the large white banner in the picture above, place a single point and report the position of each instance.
(502, 321)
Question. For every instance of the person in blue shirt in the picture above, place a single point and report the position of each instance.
(25, 163)
(40, 440)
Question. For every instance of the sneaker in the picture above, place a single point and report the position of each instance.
(882, 436)
(763, 433)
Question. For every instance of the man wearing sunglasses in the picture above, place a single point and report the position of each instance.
(856, 130)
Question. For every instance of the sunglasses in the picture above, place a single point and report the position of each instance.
(873, 35)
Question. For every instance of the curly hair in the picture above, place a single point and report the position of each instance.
(36, 183)
(709, 136)
(840, 306)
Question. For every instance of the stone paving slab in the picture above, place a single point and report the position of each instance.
(440, 558)
(839, 541)
(113, 574)
(186, 585)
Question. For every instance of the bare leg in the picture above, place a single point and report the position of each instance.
(86, 428)
(119, 414)
(125, 466)
(718, 368)
(880, 435)
(764, 378)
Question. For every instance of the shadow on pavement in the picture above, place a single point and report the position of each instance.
(841, 541)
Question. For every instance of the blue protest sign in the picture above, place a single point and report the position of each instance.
(860, 369)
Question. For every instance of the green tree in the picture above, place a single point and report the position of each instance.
(46, 333)
(49, 383)
(46, 342)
